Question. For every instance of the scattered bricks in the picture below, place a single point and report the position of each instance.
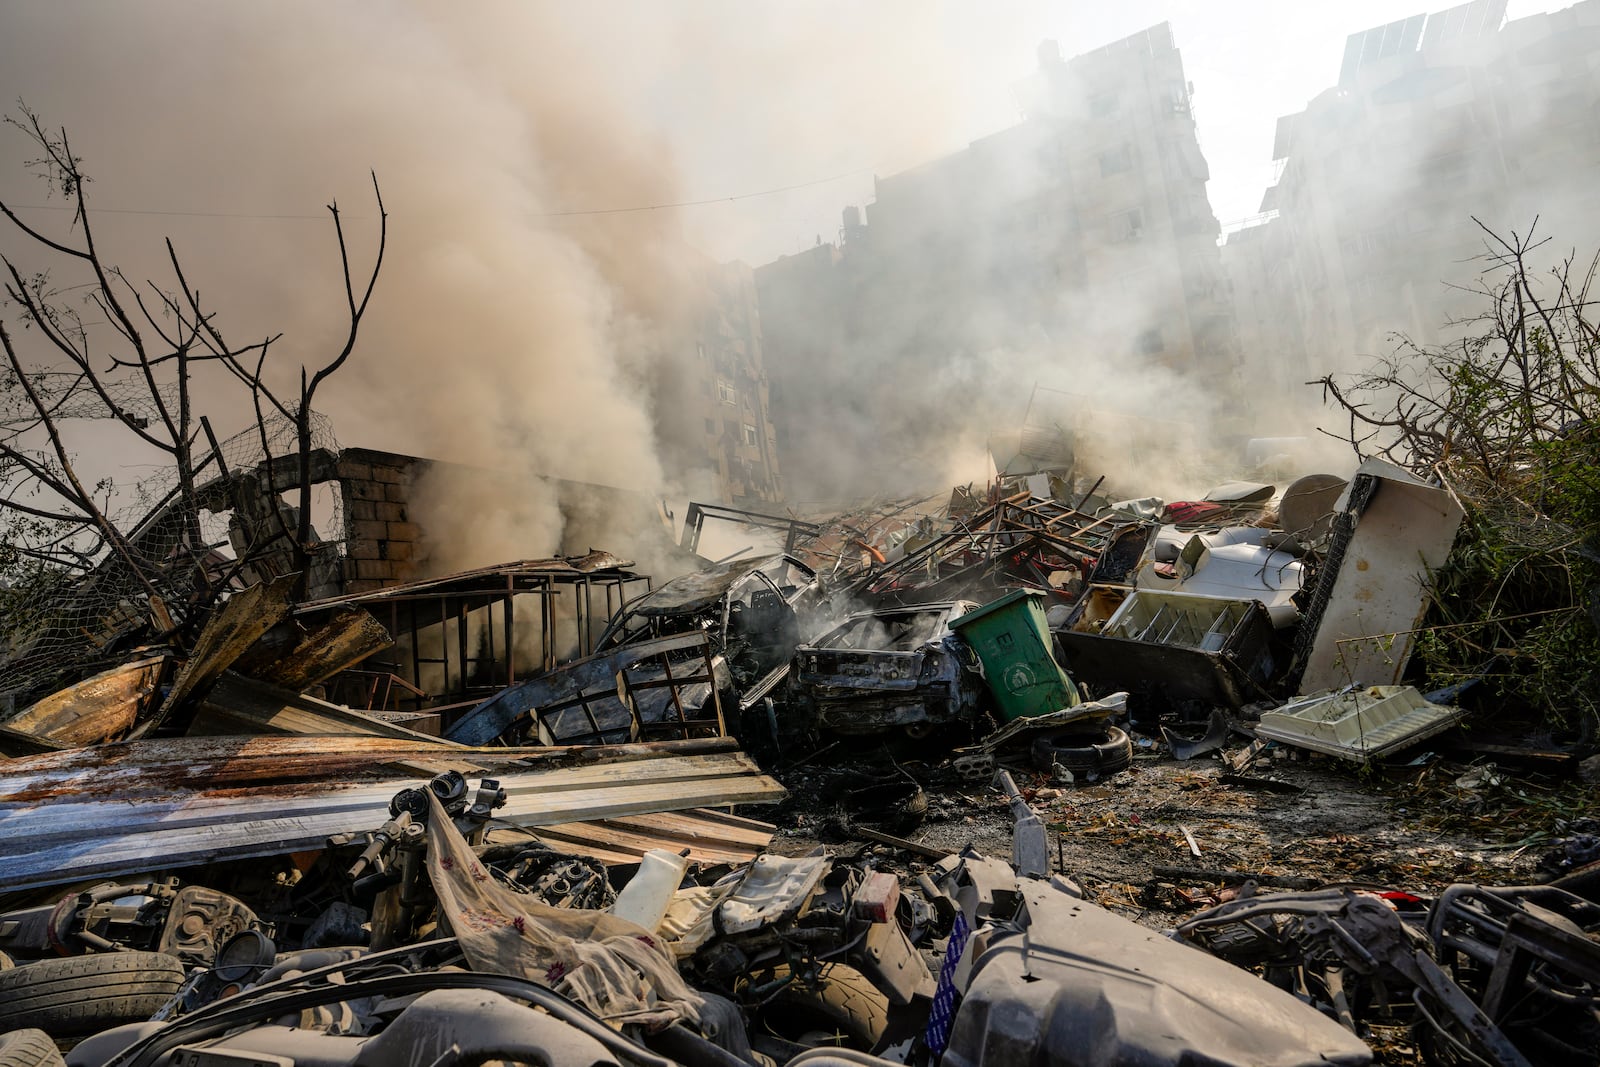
(389, 512)
(404, 531)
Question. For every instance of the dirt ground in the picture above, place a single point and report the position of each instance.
(1301, 819)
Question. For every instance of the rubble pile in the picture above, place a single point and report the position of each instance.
(1029, 774)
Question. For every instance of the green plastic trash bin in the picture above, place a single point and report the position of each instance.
(1013, 642)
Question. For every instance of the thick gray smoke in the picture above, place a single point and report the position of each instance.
(510, 334)
(503, 335)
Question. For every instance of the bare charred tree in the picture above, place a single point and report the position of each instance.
(82, 340)
(1507, 416)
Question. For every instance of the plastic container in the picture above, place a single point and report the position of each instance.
(1358, 724)
(1013, 643)
(645, 898)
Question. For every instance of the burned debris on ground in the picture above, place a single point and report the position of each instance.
(1025, 771)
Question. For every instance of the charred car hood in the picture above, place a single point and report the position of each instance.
(849, 668)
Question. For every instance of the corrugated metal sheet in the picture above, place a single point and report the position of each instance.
(136, 807)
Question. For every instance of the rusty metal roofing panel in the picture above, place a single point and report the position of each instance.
(569, 569)
(71, 816)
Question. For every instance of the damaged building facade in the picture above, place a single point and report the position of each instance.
(1436, 120)
(1085, 228)
(712, 410)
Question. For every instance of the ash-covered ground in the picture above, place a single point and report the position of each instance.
(1296, 821)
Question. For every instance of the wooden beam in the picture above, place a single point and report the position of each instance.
(231, 629)
(344, 639)
(97, 709)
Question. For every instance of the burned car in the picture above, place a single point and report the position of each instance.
(894, 667)
(693, 658)
(755, 611)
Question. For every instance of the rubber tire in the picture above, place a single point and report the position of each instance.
(29, 1048)
(1084, 754)
(83, 995)
(843, 1000)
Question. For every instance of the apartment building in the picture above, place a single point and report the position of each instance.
(1438, 122)
(1082, 236)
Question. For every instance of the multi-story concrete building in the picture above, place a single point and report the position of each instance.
(712, 411)
(1080, 237)
(1436, 120)
(1272, 349)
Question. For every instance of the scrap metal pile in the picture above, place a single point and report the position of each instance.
(364, 829)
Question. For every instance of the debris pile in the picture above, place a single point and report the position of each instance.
(1019, 752)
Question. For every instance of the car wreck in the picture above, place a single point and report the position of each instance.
(891, 668)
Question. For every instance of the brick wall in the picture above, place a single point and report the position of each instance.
(382, 546)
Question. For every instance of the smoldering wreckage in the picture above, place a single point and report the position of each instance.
(341, 829)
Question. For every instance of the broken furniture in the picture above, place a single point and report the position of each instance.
(647, 690)
(1390, 532)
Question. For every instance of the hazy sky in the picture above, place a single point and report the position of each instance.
(1250, 61)
(523, 305)
(742, 96)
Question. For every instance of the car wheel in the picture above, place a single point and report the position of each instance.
(83, 995)
(1086, 755)
(29, 1048)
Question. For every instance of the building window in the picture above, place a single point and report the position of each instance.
(750, 437)
(726, 393)
(1115, 162)
(1150, 342)
(1127, 226)
(711, 426)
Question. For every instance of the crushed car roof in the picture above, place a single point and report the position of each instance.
(702, 589)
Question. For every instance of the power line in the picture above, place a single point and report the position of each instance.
(540, 215)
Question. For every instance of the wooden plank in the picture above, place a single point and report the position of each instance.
(237, 704)
(721, 824)
(343, 640)
(231, 629)
(96, 709)
(612, 849)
